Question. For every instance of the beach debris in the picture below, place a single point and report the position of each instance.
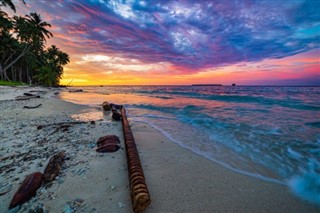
(140, 196)
(108, 143)
(23, 98)
(106, 106)
(108, 148)
(62, 124)
(28, 94)
(76, 90)
(113, 107)
(27, 189)
(78, 202)
(32, 107)
(116, 115)
(54, 166)
(39, 91)
(108, 139)
(116, 106)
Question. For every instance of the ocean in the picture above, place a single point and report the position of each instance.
(271, 133)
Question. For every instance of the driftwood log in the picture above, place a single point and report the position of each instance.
(138, 188)
(27, 189)
(54, 167)
(23, 98)
(28, 94)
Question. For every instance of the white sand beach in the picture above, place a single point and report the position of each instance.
(178, 179)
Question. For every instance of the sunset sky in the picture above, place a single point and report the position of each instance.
(119, 42)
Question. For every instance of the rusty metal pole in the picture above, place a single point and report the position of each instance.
(138, 188)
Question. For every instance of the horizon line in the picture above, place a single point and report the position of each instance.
(214, 85)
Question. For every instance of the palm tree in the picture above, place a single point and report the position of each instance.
(56, 56)
(52, 69)
(46, 76)
(9, 46)
(10, 4)
(22, 49)
(5, 22)
(38, 28)
(33, 32)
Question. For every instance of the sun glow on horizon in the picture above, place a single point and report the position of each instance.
(100, 69)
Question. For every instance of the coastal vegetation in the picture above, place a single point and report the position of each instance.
(10, 83)
(24, 56)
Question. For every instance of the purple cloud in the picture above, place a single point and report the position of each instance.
(190, 34)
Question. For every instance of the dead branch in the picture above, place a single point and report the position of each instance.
(23, 98)
(32, 107)
(63, 124)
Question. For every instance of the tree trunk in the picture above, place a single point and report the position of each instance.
(20, 75)
(4, 69)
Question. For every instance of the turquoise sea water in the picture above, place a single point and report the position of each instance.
(272, 133)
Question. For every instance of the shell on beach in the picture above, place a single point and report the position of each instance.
(27, 189)
(53, 168)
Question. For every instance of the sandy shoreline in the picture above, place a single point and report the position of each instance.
(178, 180)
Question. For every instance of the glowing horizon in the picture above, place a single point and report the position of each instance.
(185, 42)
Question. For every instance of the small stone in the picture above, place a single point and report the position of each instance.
(91, 145)
(121, 205)
(112, 187)
(67, 209)
(78, 202)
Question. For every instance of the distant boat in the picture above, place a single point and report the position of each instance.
(206, 85)
(233, 85)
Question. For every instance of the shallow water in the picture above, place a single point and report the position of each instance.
(272, 133)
